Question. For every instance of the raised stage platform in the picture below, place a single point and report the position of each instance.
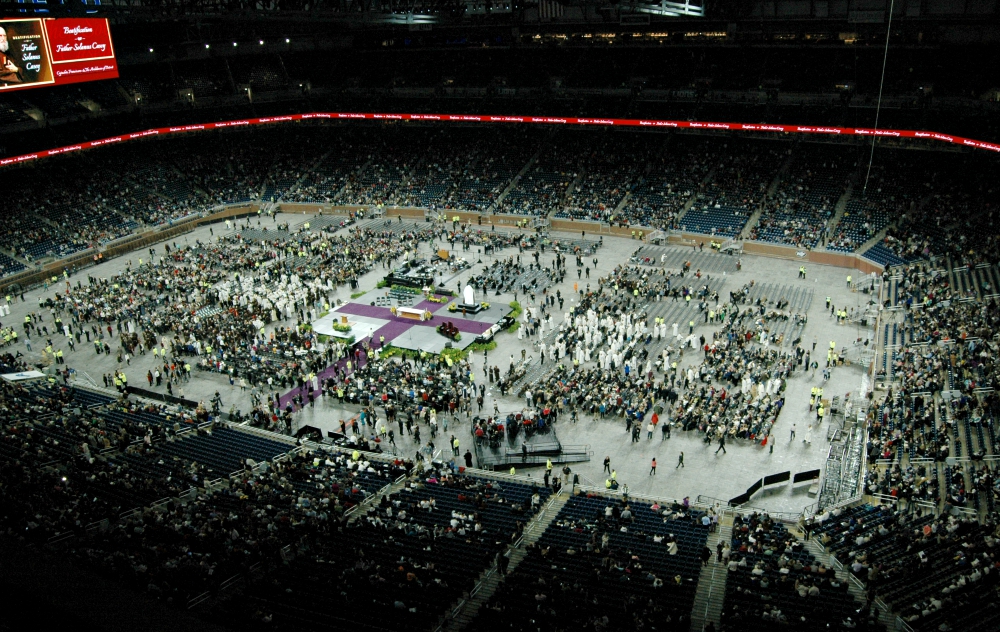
(541, 448)
(371, 315)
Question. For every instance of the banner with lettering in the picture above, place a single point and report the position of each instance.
(25, 61)
(40, 52)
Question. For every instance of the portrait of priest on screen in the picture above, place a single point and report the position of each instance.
(9, 71)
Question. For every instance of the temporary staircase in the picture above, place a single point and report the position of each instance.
(708, 600)
(854, 586)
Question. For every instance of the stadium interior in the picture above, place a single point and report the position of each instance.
(291, 339)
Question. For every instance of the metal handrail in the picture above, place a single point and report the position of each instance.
(125, 515)
(902, 626)
(598, 491)
(371, 498)
(198, 599)
(724, 503)
(266, 434)
(885, 498)
(855, 581)
(230, 582)
(162, 502)
(782, 516)
(61, 537)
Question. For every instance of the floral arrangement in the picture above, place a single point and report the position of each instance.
(405, 288)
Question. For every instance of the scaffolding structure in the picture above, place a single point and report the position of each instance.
(844, 475)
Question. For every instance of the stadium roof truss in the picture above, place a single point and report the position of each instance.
(669, 9)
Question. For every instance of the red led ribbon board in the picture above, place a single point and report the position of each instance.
(543, 120)
(46, 52)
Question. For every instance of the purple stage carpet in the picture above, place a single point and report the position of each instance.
(429, 306)
(325, 373)
(373, 311)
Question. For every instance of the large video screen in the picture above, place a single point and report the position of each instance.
(39, 52)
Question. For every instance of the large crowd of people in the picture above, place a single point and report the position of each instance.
(802, 207)
(937, 572)
(619, 179)
(610, 360)
(774, 581)
(605, 564)
(241, 305)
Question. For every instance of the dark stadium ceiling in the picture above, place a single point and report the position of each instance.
(409, 12)
(337, 23)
